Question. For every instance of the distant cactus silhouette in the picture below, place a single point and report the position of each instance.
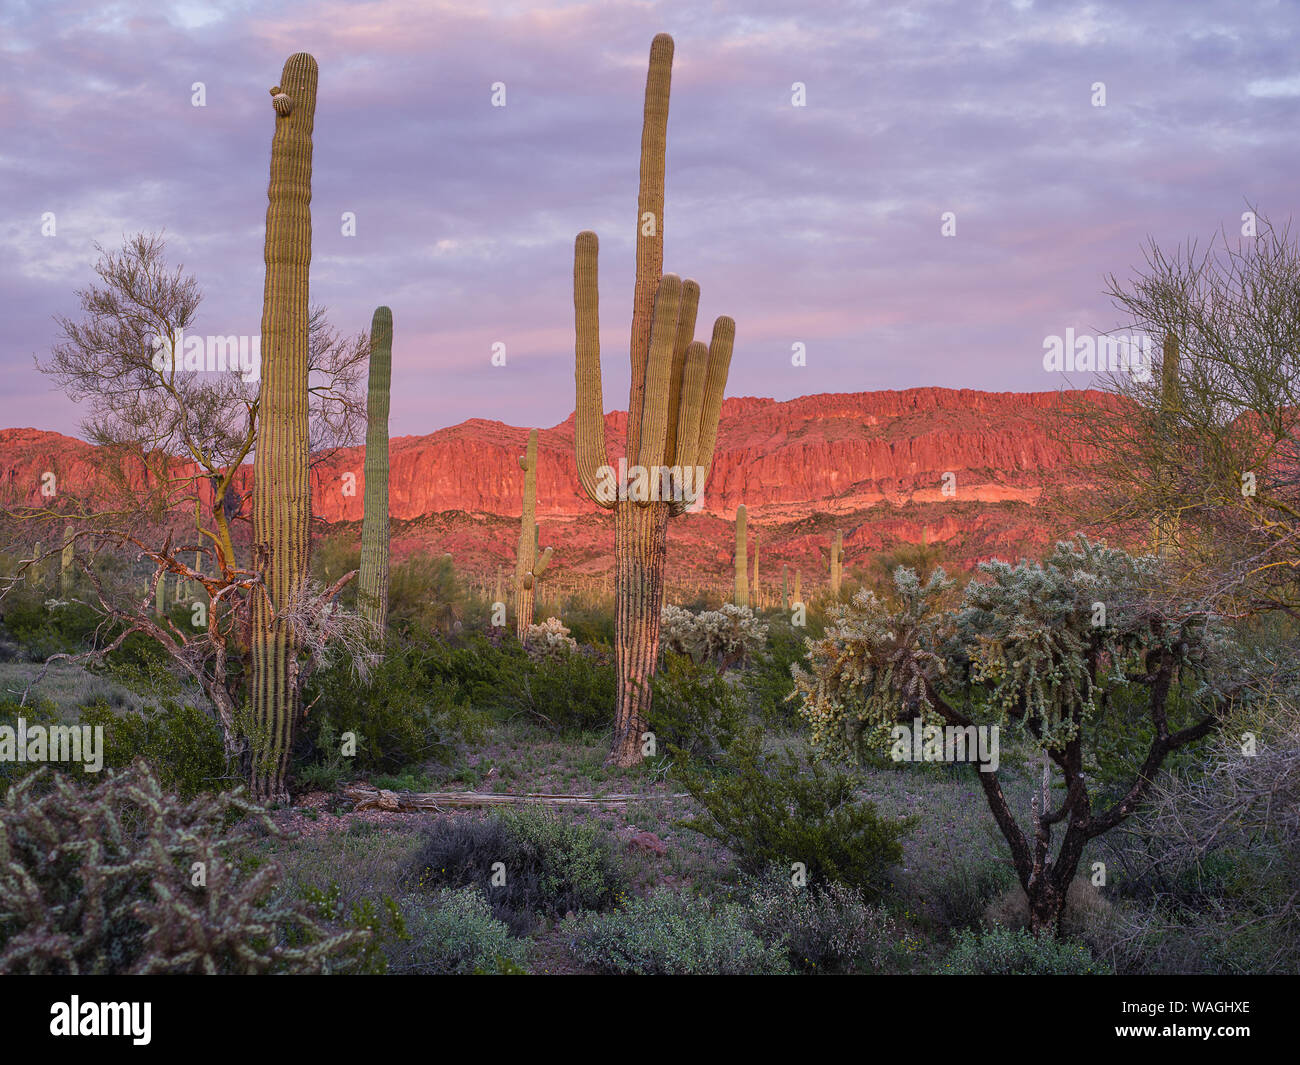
(742, 561)
(281, 489)
(837, 563)
(372, 581)
(673, 407)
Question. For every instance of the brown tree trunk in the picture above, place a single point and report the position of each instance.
(641, 545)
(1046, 908)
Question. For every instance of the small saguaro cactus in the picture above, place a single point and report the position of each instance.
(798, 595)
(742, 560)
(160, 596)
(529, 564)
(1165, 524)
(281, 488)
(672, 423)
(785, 587)
(837, 562)
(67, 560)
(758, 588)
(372, 580)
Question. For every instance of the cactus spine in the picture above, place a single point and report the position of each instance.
(837, 563)
(372, 581)
(742, 561)
(673, 407)
(529, 564)
(281, 490)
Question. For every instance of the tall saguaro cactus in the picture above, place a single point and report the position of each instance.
(837, 562)
(66, 561)
(372, 580)
(529, 564)
(281, 490)
(742, 559)
(672, 423)
(1165, 524)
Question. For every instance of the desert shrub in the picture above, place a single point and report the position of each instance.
(725, 636)
(670, 934)
(695, 708)
(567, 693)
(425, 595)
(399, 715)
(767, 676)
(1011, 952)
(550, 639)
(825, 928)
(98, 880)
(960, 896)
(454, 933)
(772, 812)
(1085, 908)
(591, 624)
(551, 866)
(181, 743)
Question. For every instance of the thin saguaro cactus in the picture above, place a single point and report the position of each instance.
(530, 562)
(837, 563)
(672, 423)
(281, 490)
(372, 580)
(1164, 527)
(742, 560)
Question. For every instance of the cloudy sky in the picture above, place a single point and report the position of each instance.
(818, 225)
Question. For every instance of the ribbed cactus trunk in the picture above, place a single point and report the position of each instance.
(67, 561)
(756, 598)
(529, 563)
(837, 563)
(673, 407)
(742, 559)
(281, 490)
(372, 580)
(798, 594)
(160, 596)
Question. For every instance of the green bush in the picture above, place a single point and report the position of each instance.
(571, 693)
(182, 744)
(400, 716)
(694, 708)
(826, 928)
(772, 813)
(101, 880)
(455, 933)
(1015, 952)
(670, 934)
(550, 866)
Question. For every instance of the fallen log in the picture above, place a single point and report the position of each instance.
(367, 797)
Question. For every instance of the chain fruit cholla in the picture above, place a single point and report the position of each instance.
(372, 591)
(281, 490)
(672, 422)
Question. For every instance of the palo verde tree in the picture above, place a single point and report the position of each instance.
(1201, 443)
(674, 403)
(1061, 655)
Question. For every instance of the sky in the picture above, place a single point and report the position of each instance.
(813, 217)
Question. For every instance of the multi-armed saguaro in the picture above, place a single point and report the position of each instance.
(372, 580)
(742, 558)
(529, 566)
(672, 421)
(281, 489)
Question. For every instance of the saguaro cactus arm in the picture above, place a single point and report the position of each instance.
(589, 420)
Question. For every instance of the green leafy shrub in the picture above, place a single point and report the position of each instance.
(400, 715)
(101, 880)
(454, 933)
(550, 866)
(182, 744)
(825, 928)
(695, 708)
(778, 813)
(567, 693)
(671, 934)
(1014, 952)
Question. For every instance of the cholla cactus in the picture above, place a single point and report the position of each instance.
(673, 408)
(726, 636)
(529, 564)
(372, 580)
(549, 640)
(281, 487)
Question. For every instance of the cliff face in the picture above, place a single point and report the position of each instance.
(952, 465)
